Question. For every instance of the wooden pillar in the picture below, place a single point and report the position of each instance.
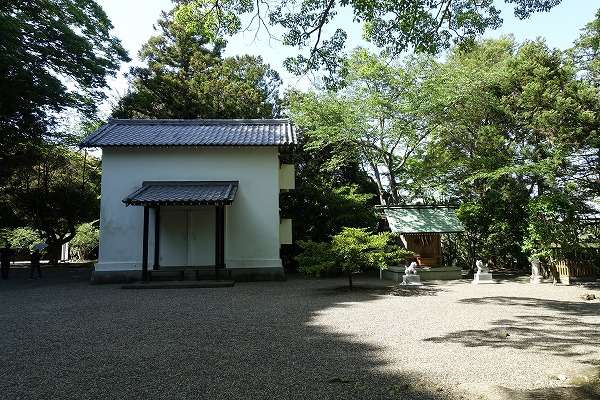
(220, 236)
(217, 236)
(145, 244)
(156, 265)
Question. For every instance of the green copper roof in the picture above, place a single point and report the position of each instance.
(422, 219)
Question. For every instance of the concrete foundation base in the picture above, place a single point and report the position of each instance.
(257, 274)
(425, 274)
(101, 277)
(237, 274)
(483, 277)
(178, 285)
(393, 273)
(536, 279)
(412, 279)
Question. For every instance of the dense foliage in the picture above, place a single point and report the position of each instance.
(507, 130)
(55, 58)
(19, 238)
(85, 242)
(55, 55)
(395, 26)
(56, 195)
(186, 76)
(352, 250)
(375, 118)
(515, 121)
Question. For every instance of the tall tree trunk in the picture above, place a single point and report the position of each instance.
(380, 188)
(393, 187)
(83, 169)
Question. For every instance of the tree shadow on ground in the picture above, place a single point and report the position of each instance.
(584, 391)
(576, 308)
(590, 285)
(552, 334)
(18, 278)
(545, 333)
(71, 340)
(533, 333)
(382, 290)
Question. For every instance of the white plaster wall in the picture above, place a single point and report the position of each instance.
(252, 221)
(287, 178)
(173, 237)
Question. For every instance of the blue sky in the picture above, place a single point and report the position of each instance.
(133, 21)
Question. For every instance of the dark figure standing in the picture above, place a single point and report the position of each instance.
(35, 264)
(5, 258)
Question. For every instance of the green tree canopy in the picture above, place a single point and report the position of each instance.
(61, 191)
(54, 55)
(586, 51)
(187, 77)
(586, 55)
(395, 26)
(513, 123)
(376, 117)
(495, 127)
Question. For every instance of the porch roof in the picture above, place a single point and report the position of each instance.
(422, 219)
(183, 193)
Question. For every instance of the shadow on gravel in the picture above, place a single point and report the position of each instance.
(389, 290)
(405, 291)
(67, 339)
(562, 334)
(51, 276)
(532, 333)
(586, 391)
(543, 333)
(577, 308)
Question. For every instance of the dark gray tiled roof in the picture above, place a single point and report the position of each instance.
(183, 193)
(193, 132)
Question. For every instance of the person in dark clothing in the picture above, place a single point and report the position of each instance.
(5, 258)
(35, 264)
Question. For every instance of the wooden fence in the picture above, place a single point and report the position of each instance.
(568, 270)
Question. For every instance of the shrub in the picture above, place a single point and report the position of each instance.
(316, 258)
(352, 250)
(85, 241)
(23, 238)
(554, 228)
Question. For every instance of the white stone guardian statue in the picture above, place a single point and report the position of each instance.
(411, 269)
(483, 274)
(535, 277)
(410, 275)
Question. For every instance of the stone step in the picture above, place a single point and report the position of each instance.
(167, 275)
(188, 274)
(179, 284)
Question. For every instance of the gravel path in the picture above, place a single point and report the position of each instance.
(300, 339)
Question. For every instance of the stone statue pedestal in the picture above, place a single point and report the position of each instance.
(411, 279)
(535, 279)
(483, 277)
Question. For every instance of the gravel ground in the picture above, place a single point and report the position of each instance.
(300, 339)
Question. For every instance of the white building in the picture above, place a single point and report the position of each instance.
(192, 195)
